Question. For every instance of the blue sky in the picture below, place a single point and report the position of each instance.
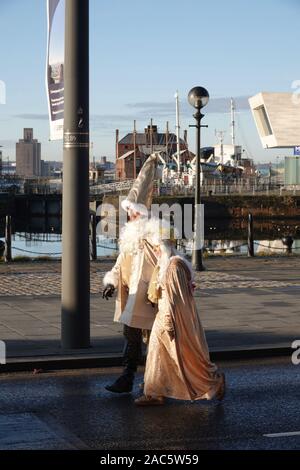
(141, 52)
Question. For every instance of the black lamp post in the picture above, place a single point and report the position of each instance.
(75, 318)
(198, 97)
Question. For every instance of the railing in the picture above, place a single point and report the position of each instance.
(111, 187)
(208, 188)
(245, 188)
(208, 249)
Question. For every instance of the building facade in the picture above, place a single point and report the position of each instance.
(277, 118)
(143, 144)
(28, 155)
(45, 168)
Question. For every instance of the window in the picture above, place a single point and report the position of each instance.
(263, 121)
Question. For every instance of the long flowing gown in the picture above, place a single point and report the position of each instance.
(179, 368)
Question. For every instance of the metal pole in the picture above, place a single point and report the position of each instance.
(7, 251)
(151, 135)
(250, 236)
(232, 122)
(167, 142)
(197, 252)
(93, 236)
(134, 149)
(177, 132)
(75, 322)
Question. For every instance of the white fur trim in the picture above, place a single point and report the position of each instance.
(125, 204)
(131, 235)
(134, 206)
(110, 278)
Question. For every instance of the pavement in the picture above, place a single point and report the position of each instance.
(72, 410)
(245, 303)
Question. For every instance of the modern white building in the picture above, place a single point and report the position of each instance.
(277, 118)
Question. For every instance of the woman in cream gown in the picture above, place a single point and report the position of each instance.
(178, 363)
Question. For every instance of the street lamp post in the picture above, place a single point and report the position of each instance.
(198, 97)
(75, 332)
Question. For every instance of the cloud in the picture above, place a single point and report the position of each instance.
(103, 124)
(142, 111)
(7, 142)
(103, 120)
(222, 105)
(32, 117)
(215, 105)
(107, 121)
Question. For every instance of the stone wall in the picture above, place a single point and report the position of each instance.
(236, 206)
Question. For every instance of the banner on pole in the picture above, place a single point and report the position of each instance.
(55, 67)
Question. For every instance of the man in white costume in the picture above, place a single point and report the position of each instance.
(131, 275)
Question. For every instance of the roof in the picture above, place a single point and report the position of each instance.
(158, 139)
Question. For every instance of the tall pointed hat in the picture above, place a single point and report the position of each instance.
(139, 198)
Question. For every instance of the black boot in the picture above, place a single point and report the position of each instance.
(132, 356)
(123, 384)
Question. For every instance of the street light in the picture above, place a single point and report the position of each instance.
(198, 97)
(75, 318)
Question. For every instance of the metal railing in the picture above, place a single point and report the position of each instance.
(246, 186)
(111, 187)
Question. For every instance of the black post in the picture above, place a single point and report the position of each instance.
(7, 251)
(197, 251)
(75, 225)
(250, 236)
(93, 236)
(288, 242)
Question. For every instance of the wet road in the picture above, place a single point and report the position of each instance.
(72, 410)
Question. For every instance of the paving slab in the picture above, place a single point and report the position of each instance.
(243, 302)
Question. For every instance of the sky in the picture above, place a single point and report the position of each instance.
(141, 52)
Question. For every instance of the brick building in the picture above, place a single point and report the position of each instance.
(145, 142)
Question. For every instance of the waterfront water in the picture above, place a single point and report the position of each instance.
(42, 237)
(105, 247)
(45, 244)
